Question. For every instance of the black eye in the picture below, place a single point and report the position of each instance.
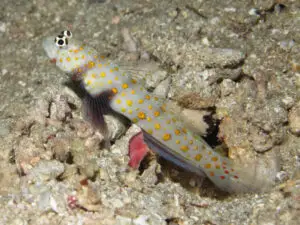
(67, 33)
(61, 41)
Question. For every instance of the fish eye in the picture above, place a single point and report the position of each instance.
(61, 41)
(67, 33)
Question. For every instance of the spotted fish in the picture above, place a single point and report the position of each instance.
(108, 89)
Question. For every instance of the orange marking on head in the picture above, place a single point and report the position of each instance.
(163, 109)
(177, 132)
(141, 115)
(226, 171)
(196, 147)
(133, 92)
(215, 159)
(68, 59)
(91, 64)
(157, 126)
(147, 97)
(116, 68)
(123, 94)
(167, 137)
(184, 130)
(222, 177)
(184, 148)
(130, 111)
(150, 107)
(218, 167)
(114, 90)
(156, 113)
(149, 119)
(211, 174)
(76, 51)
(207, 166)
(133, 81)
(177, 142)
(83, 56)
(236, 177)
(191, 142)
(198, 157)
(123, 110)
(61, 60)
(156, 98)
(102, 57)
(129, 102)
(88, 82)
(124, 86)
(140, 101)
(118, 101)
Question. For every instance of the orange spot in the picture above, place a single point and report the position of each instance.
(133, 92)
(130, 111)
(102, 57)
(156, 113)
(116, 68)
(150, 107)
(99, 65)
(93, 75)
(109, 81)
(147, 97)
(157, 126)
(135, 120)
(226, 171)
(184, 148)
(141, 115)
(163, 108)
(177, 132)
(155, 98)
(173, 119)
(177, 142)
(196, 147)
(88, 82)
(123, 94)
(167, 137)
(129, 102)
(184, 130)
(111, 70)
(118, 101)
(211, 174)
(168, 121)
(102, 74)
(76, 51)
(133, 81)
(83, 56)
(207, 166)
(81, 48)
(214, 158)
(191, 142)
(61, 60)
(218, 167)
(123, 110)
(125, 86)
(222, 177)
(114, 90)
(68, 59)
(149, 119)
(140, 101)
(198, 157)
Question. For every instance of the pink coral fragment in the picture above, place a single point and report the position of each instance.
(137, 150)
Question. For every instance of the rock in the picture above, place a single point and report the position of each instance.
(294, 119)
(46, 170)
(59, 108)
